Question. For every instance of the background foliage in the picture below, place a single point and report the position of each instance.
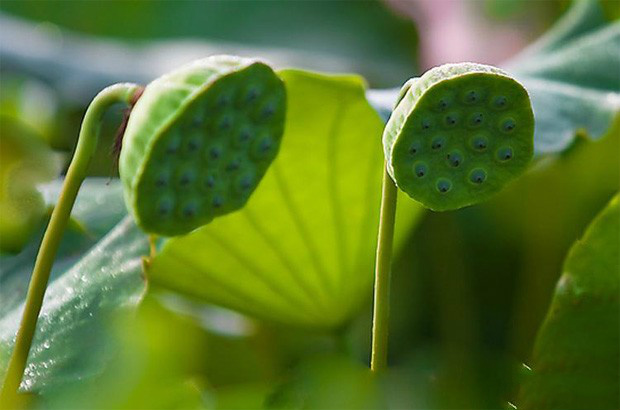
(470, 288)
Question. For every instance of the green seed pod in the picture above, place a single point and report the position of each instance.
(198, 142)
(459, 134)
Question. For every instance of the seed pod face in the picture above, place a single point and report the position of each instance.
(459, 134)
(198, 142)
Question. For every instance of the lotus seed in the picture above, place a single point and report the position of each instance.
(479, 143)
(415, 148)
(164, 206)
(451, 120)
(233, 165)
(251, 95)
(476, 119)
(268, 111)
(442, 104)
(218, 201)
(508, 125)
(189, 210)
(471, 97)
(477, 176)
(426, 124)
(420, 170)
(186, 178)
(444, 185)
(455, 158)
(225, 123)
(210, 181)
(504, 154)
(215, 152)
(500, 102)
(437, 144)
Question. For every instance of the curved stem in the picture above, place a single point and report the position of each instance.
(383, 262)
(87, 143)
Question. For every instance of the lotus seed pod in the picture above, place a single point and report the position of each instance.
(198, 142)
(459, 133)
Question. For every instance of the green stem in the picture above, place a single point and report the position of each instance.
(87, 143)
(381, 310)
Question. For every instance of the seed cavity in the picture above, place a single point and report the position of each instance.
(478, 176)
(252, 95)
(164, 206)
(268, 111)
(443, 185)
(479, 143)
(472, 97)
(225, 123)
(218, 201)
(193, 144)
(233, 165)
(245, 183)
(162, 179)
(437, 144)
(508, 125)
(223, 100)
(455, 158)
(426, 124)
(215, 152)
(186, 178)
(451, 120)
(190, 209)
(173, 146)
(504, 154)
(442, 104)
(419, 169)
(500, 102)
(209, 181)
(476, 120)
(414, 148)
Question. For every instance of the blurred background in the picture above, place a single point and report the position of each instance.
(461, 326)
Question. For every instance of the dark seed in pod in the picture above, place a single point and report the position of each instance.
(437, 144)
(450, 120)
(215, 153)
(210, 181)
(500, 101)
(443, 185)
(420, 170)
(268, 111)
(479, 143)
(504, 154)
(477, 176)
(218, 201)
(442, 104)
(189, 210)
(251, 95)
(471, 97)
(426, 124)
(476, 119)
(414, 148)
(233, 165)
(225, 123)
(455, 158)
(508, 125)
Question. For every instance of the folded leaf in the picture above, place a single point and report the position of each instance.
(576, 361)
(301, 252)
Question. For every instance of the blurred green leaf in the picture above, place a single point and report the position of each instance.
(302, 251)
(573, 76)
(314, 35)
(329, 382)
(92, 278)
(158, 353)
(576, 361)
(25, 162)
